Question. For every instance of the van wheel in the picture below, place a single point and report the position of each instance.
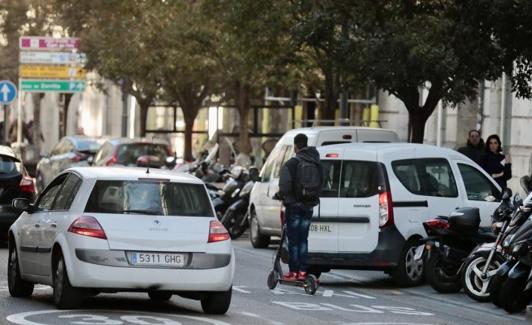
(159, 296)
(216, 302)
(17, 286)
(408, 272)
(65, 296)
(257, 239)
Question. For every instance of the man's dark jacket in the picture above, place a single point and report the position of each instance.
(476, 153)
(288, 177)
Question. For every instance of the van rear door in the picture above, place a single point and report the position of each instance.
(331, 137)
(358, 204)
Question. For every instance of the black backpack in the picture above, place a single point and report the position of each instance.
(308, 182)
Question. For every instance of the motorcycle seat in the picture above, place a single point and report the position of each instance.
(485, 235)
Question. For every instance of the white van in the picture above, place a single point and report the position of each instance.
(376, 196)
(264, 211)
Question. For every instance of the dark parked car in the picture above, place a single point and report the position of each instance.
(15, 182)
(133, 152)
(71, 151)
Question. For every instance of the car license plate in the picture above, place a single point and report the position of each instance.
(419, 252)
(322, 227)
(157, 259)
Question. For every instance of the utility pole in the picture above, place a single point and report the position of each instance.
(6, 125)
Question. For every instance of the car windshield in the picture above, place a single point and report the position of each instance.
(149, 197)
(87, 145)
(9, 165)
(128, 153)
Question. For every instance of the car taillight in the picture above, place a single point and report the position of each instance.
(26, 185)
(385, 209)
(283, 215)
(87, 226)
(111, 161)
(79, 157)
(217, 232)
(437, 224)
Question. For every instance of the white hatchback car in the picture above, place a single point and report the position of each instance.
(122, 229)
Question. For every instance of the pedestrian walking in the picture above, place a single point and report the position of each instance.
(474, 148)
(300, 185)
(496, 163)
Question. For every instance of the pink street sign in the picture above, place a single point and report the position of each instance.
(48, 43)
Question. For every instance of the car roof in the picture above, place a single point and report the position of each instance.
(318, 129)
(385, 149)
(133, 173)
(8, 151)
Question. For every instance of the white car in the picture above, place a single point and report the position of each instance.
(117, 229)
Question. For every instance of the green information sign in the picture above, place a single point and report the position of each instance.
(61, 86)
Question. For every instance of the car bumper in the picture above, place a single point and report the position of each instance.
(89, 275)
(385, 256)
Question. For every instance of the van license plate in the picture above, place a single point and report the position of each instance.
(158, 259)
(322, 227)
(419, 252)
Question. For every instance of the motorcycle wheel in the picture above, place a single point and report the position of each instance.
(512, 297)
(474, 285)
(438, 277)
(231, 222)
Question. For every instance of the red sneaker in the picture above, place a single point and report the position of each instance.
(290, 276)
(301, 276)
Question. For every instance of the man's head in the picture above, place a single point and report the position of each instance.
(474, 137)
(300, 142)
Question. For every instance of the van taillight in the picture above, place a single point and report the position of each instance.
(385, 209)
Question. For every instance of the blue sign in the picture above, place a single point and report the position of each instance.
(8, 92)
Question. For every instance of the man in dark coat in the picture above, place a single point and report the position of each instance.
(474, 149)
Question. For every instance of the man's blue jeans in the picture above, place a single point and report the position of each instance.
(298, 219)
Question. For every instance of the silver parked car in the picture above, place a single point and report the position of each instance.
(71, 151)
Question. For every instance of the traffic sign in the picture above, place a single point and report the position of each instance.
(44, 43)
(62, 86)
(8, 92)
(51, 71)
(29, 57)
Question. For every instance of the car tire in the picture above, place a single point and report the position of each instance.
(257, 239)
(408, 272)
(65, 296)
(216, 303)
(17, 286)
(159, 296)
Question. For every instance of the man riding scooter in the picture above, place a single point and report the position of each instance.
(300, 185)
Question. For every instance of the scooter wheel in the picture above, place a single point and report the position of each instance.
(273, 280)
(311, 284)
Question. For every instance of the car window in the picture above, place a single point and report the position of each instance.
(331, 177)
(46, 201)
(9, 165)
(66, 194)
(427, 176)
(104, 151)
(360, 179)
(68, 147)
(266, 171)
(478, 186)
(128, 153)
(149, 197)
(87, 145)
(278, 161)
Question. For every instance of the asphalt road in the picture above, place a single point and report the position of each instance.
(344, 297)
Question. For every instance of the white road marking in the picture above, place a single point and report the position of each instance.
(352, 293)
(239, 289)
(328, 293)
(259, 317)
(20, 318)
(248, 314)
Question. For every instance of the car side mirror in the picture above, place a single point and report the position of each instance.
(518, 201)
(21, 204)
(90, 160)
(171, 161)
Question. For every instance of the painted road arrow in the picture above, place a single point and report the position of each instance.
(60, 86)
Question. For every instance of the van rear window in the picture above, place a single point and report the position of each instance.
(149, 197)
(352, 178)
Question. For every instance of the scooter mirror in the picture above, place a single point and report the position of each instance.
(506, 194)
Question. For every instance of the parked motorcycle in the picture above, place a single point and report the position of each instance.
(235, 219)
(485, 259)
(450, 241)
(235, 182)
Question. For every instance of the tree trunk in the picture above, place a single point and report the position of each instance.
(417, 123)
(143, 117)
(328, 112)
(190, 114)
(243, 105)
(418, 115)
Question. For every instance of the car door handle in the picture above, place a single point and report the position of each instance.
(37, 225)
(53, 225)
